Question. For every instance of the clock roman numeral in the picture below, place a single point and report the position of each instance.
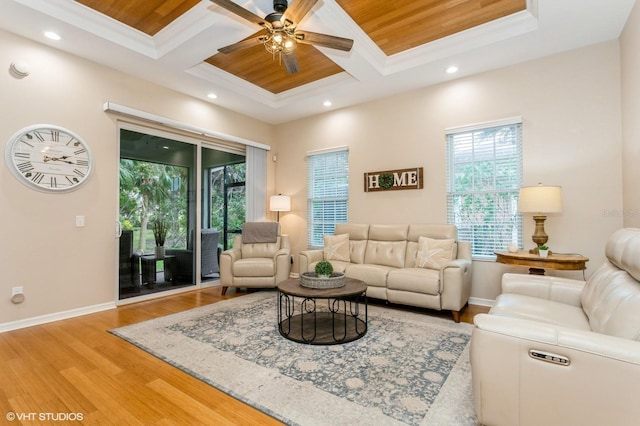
(80, 151)
(55, 136)
(37, 178)
(39, 136)
(25, 167)
(72, 181)
(27, 143)
(78, 172)
(53, 183)
(24, 155)
(82, 163)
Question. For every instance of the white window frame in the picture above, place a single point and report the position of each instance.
(327, 192)
(489, 149)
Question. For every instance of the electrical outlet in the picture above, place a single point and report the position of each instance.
(16, 290)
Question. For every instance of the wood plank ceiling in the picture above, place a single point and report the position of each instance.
(394, 26)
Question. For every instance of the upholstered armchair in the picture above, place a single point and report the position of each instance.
(259, 259)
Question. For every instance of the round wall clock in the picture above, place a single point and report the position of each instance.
(49, 158)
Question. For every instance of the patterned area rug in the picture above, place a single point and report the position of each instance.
(409, 369)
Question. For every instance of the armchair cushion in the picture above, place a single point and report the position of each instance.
(254, 267)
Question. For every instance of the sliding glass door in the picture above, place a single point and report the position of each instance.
(223, 193)
(157, 214)
(163, 240)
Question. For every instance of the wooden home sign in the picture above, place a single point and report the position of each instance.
(390, 180)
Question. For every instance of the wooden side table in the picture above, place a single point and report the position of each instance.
(537, 264)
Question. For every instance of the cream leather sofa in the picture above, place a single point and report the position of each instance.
(556, 351)
(384, 257)
(255, 265)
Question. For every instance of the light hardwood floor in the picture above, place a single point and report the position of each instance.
(77, 368)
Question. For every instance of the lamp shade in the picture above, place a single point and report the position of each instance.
(280, 203)
(540, 199)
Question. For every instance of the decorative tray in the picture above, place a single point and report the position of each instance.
(313, 280)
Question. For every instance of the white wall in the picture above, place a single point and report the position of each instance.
(570, 105)
(62, 267)
(630, 46)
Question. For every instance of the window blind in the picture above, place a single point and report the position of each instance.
(484, 176)
(327, 193)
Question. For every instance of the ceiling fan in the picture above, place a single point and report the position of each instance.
(280, 34)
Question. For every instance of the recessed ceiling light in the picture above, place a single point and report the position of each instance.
(165, 147)
(212, 96)
(452, 69)
(51, 35)
(327, 103)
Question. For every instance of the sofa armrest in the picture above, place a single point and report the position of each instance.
(510, 386)
(455, 284)
(563, 290)
(307, 257)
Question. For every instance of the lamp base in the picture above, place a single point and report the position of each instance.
(539, 236)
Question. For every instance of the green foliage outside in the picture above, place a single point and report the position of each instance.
(229, 180)
(150, 192)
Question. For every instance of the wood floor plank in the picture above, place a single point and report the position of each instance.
(76, 365)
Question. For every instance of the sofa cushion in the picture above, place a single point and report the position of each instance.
(415, 280)
(434, 254)
(432, 230)
(358, 235)
(387, 253)
(373, 275)
(336, 247)
(540, 310)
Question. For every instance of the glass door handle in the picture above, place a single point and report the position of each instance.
(118, 229)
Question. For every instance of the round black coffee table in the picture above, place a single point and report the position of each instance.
(326, 316)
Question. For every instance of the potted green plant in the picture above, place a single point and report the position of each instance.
(160, 230)
(543, 250)
(324, 268)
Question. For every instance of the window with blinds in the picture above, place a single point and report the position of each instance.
(484, 176)
(327, 192)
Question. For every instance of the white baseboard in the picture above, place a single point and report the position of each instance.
(57, 316)
(481, 302)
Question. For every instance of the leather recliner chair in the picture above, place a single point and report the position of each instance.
(556, 351)
(255, 265)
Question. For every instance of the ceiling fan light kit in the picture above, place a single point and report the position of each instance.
(282, 36)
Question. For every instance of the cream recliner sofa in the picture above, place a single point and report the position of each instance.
(555, 351)
(384, 257)
(255, 265)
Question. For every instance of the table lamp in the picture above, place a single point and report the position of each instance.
(280, 203)
(540, 200)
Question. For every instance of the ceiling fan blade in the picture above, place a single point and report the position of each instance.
(291, 63)
(324, 40)
(250, 42)
(240, 11)
(298, 10)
